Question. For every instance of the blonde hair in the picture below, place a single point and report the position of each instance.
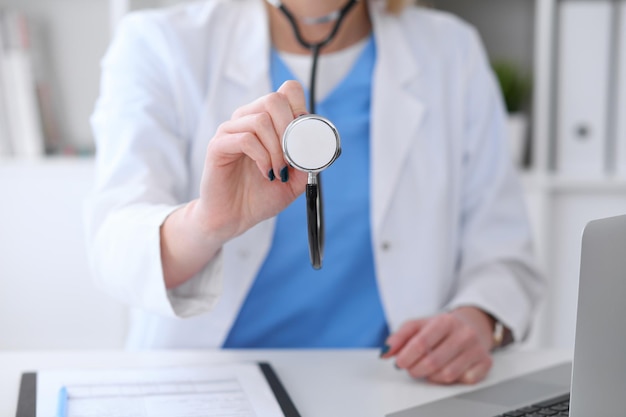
(396, 6)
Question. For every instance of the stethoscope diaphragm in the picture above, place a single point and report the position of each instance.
(311, 143)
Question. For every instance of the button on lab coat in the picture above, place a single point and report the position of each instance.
(448, 219)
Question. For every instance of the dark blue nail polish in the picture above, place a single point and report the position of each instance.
(384, 350)
(284, 174)
(271, 175)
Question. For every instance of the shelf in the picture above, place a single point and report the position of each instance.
(45, 161)
(555, 184)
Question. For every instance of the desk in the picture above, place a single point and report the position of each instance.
(324, 383)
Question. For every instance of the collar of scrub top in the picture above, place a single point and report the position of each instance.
(314, 201)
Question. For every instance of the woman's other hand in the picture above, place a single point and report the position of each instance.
(448, 348)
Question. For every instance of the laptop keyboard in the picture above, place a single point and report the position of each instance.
(558, 406)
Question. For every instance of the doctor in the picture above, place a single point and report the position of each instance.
(198, 222)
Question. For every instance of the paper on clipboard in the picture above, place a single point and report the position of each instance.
(236, 390)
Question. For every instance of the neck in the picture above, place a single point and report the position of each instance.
(355, 27)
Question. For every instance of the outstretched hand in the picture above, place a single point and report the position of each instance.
(246, 178)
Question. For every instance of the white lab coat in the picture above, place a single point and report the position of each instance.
(448, 220)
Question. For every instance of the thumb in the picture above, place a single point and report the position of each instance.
(294, 93)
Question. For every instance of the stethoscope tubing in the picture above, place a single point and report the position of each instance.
(315, 48)
(314, 201)
(315, 224)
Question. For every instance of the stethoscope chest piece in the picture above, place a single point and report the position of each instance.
(311, 143)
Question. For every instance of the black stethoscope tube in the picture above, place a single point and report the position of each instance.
(316, 47)
(315, 224)
(314, 201)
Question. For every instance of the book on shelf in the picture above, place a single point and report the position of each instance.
(27, 126)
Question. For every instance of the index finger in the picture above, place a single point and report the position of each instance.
(397, 340)
(434, 332)
(294, 93)
(283, 106)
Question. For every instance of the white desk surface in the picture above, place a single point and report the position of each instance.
(324, 383)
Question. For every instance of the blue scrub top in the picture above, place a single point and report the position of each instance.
(291, 305)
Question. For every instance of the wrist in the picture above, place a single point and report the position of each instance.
(185, 248)
(482, 323)
(492, 331)
(207, 229)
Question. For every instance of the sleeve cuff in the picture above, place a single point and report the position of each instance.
(497, 291)
(128, 265)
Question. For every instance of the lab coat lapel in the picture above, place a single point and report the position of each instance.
(397, 112)
(238, 70)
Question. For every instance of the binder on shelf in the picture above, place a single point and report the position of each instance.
(583, 82)
(19, 88)
(620, 111)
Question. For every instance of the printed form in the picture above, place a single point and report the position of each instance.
(237, 390)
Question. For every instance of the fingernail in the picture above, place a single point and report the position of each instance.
(271, 175)
(284, 174)
(384, 350)
(396, 366)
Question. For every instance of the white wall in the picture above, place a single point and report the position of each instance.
(507, 27)
(47, 300)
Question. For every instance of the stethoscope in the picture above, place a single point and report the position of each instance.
(311, 143)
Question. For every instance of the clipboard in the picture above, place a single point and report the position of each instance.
(27, 399)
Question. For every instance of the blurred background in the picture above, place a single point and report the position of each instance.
(561, 65)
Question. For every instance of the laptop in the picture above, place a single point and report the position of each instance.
(598, 370)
